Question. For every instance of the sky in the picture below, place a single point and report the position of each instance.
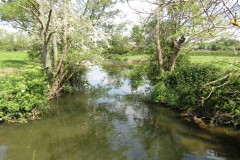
(129, 11)
(7, 27)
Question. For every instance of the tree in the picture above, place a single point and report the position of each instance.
(177, 23)
(138, 39)
(79, 31)
(119, 44)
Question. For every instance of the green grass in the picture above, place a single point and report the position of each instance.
(207, 59)
(223, 62)
(213, 53)
(219, 61)
(13, 59)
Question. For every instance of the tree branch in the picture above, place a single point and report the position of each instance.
(49, 36)
(48, 21)
(34, 14)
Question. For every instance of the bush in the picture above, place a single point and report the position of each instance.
(184, 83)
(185, 89)
(23, 92)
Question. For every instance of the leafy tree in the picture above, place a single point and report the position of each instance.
(176, 24)
(60, 27)
(137, 39)
(119, 44)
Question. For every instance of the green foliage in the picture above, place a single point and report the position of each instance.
(35, 50)
(119, 44)
(22, 92)
(138, 40)
(137, 76)
(185, 89)
(150, 70)
(11, 10)
(182, 85)
(76, 75)
(13, 41)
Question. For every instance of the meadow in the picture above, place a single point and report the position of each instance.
(13, 59)
(207, 57)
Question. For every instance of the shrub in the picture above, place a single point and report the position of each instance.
(182, 87)
(23, 92)
(185, 89)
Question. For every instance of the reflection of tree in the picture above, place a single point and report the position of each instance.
(76, 131)
(170, 136)
(116, 73)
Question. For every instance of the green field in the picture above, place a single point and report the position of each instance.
(208, 59)
(13, 59)
(223, 62)
(213, 53)
(218, 60)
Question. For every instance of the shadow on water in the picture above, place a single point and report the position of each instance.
(108, 120)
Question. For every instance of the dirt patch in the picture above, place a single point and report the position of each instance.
(7, 71)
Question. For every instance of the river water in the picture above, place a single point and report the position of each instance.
(110, 121)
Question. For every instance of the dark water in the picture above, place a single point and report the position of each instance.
(109, 121)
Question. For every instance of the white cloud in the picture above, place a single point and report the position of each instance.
(134, 11)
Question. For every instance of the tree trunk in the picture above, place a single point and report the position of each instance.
(158, 45)
(54, 36)
(173, 58)
(65, 5)
(44, 36)
(60, 70)
(46, 56)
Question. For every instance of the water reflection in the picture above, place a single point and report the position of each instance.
(110, 121)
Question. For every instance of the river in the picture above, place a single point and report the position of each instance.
(108, 120)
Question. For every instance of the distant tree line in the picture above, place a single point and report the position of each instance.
(221, 45)
(10, 41)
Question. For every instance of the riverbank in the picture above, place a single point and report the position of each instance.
(207, 87)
